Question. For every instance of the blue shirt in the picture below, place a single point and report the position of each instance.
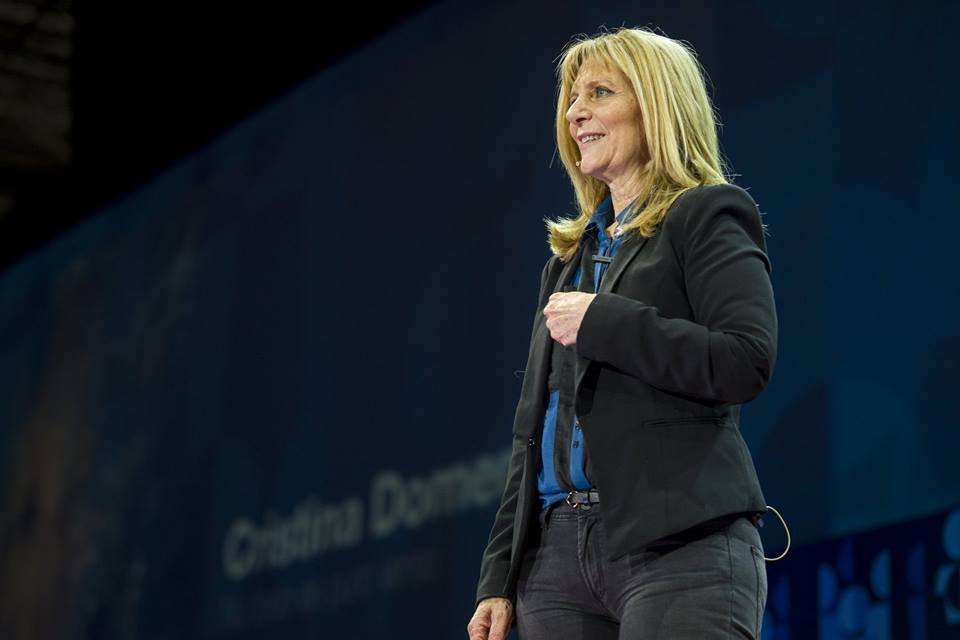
(547, 482)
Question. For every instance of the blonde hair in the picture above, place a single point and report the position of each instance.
(679, 126)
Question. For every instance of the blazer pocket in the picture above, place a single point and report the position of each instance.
(696, 457)
(689, 420)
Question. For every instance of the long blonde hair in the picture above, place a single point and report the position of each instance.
(679, 126)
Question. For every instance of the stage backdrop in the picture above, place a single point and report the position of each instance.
(270, 393)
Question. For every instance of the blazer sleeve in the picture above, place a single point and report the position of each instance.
(726, 354)
(496, 558)
(495, 565)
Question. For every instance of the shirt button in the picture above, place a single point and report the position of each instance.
(532, 442)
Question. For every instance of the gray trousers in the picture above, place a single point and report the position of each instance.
(707, 588)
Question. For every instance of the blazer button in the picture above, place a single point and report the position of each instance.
(532, 442)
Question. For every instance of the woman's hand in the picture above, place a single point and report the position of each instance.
(564, 314)
(491, 620)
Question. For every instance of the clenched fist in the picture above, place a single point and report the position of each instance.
(564, 314)
(491, 620)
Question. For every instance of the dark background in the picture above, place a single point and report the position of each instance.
(142, 85)
(304, 280)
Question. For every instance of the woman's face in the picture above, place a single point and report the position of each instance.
(602, 104)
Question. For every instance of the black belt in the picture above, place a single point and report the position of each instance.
(577, 498)
(586, 499)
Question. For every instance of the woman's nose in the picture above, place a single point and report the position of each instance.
(576, 113)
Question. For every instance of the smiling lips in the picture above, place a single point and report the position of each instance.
(593, 137)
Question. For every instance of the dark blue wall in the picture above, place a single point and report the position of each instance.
(270, 393)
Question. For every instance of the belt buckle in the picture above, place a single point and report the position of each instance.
(575, 505)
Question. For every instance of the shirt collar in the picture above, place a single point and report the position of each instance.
(603, 217)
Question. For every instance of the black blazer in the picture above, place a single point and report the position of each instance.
(681, 333)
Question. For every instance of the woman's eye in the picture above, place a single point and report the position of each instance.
(597, 91)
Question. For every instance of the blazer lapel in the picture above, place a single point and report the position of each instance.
(567, 272)
(544, 341)
(533, 396)
(628, 250)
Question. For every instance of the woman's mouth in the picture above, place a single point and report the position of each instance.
(591, 139)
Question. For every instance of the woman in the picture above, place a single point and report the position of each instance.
(626, 437)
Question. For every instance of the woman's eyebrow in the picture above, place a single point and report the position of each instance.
(593, 83)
